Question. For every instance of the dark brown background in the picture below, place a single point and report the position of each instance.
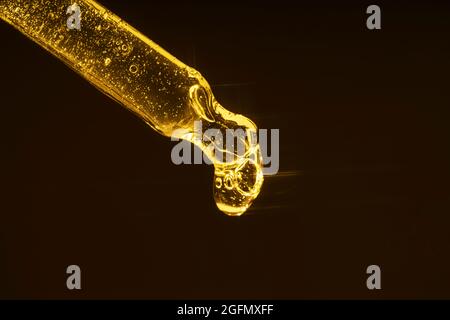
(365, 160)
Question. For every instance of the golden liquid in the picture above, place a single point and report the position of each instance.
(164, 92)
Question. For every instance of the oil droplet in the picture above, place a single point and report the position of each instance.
(60, 38)
(133, 68)
(107, 62)
(219, 182)
(228, 182)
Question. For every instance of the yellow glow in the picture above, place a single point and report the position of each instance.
(132, 69)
